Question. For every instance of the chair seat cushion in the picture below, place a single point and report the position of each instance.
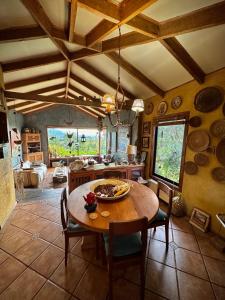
(74, 227)
(124, 245)
(160, 217)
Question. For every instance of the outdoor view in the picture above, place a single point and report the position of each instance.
(68, 141)
(169, 147)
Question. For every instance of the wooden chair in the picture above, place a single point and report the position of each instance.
(112, 174)
(72, 229)
(126, 246)
(162, 218)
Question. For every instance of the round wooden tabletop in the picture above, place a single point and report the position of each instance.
(139, 202)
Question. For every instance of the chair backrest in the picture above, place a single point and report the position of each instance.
(112, 174)
(64, 210)
(169, 192)
(126, 228)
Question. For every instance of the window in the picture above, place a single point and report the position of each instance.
(169, 148)
(67, 141)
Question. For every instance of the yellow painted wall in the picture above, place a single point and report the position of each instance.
(199, 190)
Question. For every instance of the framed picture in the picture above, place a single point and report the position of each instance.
(145, 142)
(162, 108)
(146, 127)
(200, 219)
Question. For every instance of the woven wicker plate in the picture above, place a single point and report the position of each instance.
(208, 99)
(218, 174)
(195, 121)
(220, 152)
(176, 102)
(217, 128)
(190, 168)
(201, 159)
(198, 140)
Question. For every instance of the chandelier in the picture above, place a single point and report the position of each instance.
(114, 104)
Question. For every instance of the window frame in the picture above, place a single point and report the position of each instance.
(172, 119)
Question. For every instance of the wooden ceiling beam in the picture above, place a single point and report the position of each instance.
(84, 109)
(80, 92)
(37, 108)
(33, 80)
(87, 84)
(84, 52)
(128, 9)
(23, 33)
(48, 89)
(68, 78)
(32, 62)
(104, 78)
(37, 12)
(49, 99)
(178, 51)
(72, 19)
(135, 73)
(97, 113)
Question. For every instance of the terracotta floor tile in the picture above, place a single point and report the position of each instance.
(132, 274)
(29, 252)
(10, 269)
(68, 277)
(22, 219)
(181, 224)
(60, 241)
(162, 280)
(207, 248)
(38, 225)
(24, 287)
(33, 207)
(216, 270)
(90, 288)
(157, 251)
(54, 202)
(51, 213)
(219, 292)
(190, 262)
(14, 242)
(192, 288)
(160, 234)
(86, 254)
(51, 232)
(185, 240)
(9, 231)
(51, 292)
(3, 256)
(48, 261)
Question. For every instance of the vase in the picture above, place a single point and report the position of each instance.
(90, 207)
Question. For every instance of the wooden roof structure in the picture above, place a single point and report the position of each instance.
(56, 52)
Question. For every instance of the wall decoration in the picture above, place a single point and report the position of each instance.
(218, 174)
(208, 99)
(200, 219)
(176, 102)
(190, 168)
(195, 121)
(145, 142)
(217, 128)
(201, 159)
(146, 127)
(162, 108)
(198, 140)
(220, 152)
(149, 107)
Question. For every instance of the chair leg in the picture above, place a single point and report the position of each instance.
(154, 229)
(142, 276)
(97, 245)
(110, 282)
(66, 248)
(167, 235)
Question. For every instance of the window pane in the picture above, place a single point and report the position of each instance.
(169, 146)
(104, 141)
(90, 147)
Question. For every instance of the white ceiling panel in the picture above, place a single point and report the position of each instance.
(206, 47)
(162, 10)
(13, 14)
(85, 21)
(72, 47)
(115, 33)
(33, 72)
(157, 64)
(107, 66)
(26, 49)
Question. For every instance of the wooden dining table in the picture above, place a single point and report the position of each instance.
(139, 202)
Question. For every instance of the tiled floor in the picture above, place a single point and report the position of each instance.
(32, 262)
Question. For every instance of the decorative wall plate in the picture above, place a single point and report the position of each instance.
(176, 102)
(149, 107)
(201, 159)
(218, 174)
(198, 140)
(190, 168)
(217, 128)
(195, 121)
(162, 108)
(220, 152)
(208, 99)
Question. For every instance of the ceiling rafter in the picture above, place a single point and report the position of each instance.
(68, 78)
(98, 74)
(83, 109)
(39, 107)
(37, 11)
(33, 80)
(80, 92)
(72, 19)
(135, 72)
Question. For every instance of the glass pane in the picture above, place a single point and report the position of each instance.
(104, 141)
(169, 146)
(90, 146)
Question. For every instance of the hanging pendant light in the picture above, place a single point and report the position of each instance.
(115, 104)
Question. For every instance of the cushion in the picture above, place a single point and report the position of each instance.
(124, 245)
(74, 227)
(160, 217)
